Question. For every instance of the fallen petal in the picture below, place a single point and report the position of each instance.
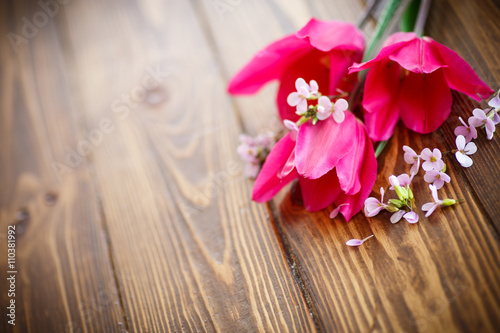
(335, 212)
(411, 217)
(357, 242)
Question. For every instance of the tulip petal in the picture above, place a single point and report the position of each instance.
(267, 183)
(269, 64)
(425, 101)
(367, 176)
(326, 136)
(380, 100)
(339, 63)
(319, 193)
(460, 75)
(418, 56)
(329, 35)
(392, 44)
(349, 167)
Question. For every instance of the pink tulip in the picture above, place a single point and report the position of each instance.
(411, 79)
(320, 51)
(344, 176)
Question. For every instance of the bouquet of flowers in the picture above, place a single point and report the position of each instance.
(324, 69)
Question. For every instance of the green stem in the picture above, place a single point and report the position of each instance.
(422, 17)
(385, 18)
(380, 147)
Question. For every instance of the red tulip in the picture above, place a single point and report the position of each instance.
(411, 79)
(334, 163)
(321, 51)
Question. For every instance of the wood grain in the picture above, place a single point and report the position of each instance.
(438, 275)
(64, 279)
(191, 250)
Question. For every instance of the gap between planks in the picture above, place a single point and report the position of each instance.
(81, 120)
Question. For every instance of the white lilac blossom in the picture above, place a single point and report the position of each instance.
(304, 91)
(432, 159)
(430, 207)
(464, 150)
(357, 242)
(468, 131)
(412, 158)
(479, 119)
(326, 107)
(437, 178)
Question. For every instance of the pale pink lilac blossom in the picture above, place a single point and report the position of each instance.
(464, 150)
(468, 131)
(374, 206)
(430, 207)
(479, 119)
(437, 178)
(495, 105)
(253, 151)
(432, 160)
(404, 181)
(413, 159)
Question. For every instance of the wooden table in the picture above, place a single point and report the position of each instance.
(119, 170)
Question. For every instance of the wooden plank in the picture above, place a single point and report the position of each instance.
(64, 280)
(471, 30)
(200, 256)
(438, 275)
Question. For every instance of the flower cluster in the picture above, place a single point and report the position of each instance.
(487, 118)
(403, 207)
(327, 149)
(344, 176)
(400, 84)
(254, 151)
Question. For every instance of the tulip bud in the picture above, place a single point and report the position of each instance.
(397, 203)
(391, 208)
(449, 202)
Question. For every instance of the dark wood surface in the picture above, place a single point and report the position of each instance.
(151, 227)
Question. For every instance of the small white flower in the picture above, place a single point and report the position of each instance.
(304, 91)
(326, 107)
(464, 150)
